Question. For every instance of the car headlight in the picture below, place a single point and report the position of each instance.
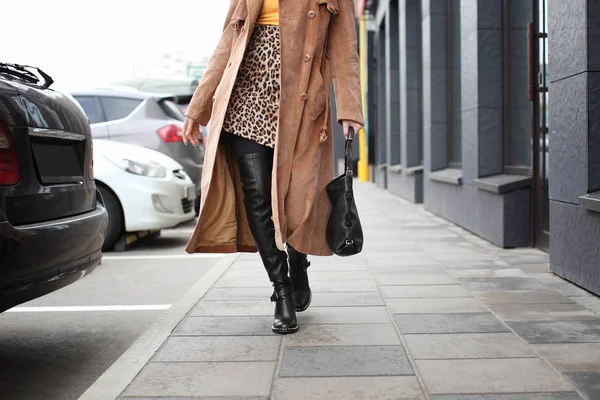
(144, 168)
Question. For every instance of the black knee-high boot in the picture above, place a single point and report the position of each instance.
(298, 265)
(255, 172)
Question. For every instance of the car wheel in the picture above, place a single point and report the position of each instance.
(116, 221)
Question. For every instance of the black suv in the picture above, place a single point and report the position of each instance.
(52, 220)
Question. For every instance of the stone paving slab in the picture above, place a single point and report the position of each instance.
(518, 375)
(315, 276)
(344, 335)
(568, 289)
(587, 382)
(408, 279)
(501, 283)
(380, 388)
(475, 345)
(232, 308)
(449, 323)
(542, 312)
(571, 357)
(398, 269)
(219, 348)
(203, 379)
(344, 286)
(435, 306)
(591, 303)
(423, 291)
(512, 396)
(346, 299)
(225, 326)
(243, 294)
(344, 361)
(344, 315)
(488, 273)
(541, 296)
(558, 331)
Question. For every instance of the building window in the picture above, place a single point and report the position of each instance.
(454, 85)
(517, 107)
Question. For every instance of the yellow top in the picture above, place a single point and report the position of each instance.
(269, 13)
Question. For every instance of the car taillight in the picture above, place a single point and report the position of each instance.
(171, 133)
(91, 165)
(9, 167)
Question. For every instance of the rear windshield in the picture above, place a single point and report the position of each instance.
(172, 110)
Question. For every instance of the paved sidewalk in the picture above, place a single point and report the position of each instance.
(427, 311)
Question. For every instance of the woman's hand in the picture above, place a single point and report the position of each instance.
(347, 124)
(191, 132)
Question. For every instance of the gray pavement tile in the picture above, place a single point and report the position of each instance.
(225, 326)
(408, 279)
(344, 315)
(242, 294)
(349, 266)
(542, 312)
(517, 396)
(395, 255)
(194, 398)
(344, 335)
(469, 264)
(467, 345)
(339, 275)
(517, 375)
(591, 303)
(435, 306)
(534, 268)
(317, 260)
(501, 284)
(254, 272)
(344, 361)
(262, 281)
(488, 273)
(546, 277)
(526, 259)
(380, 388)
(346, 299)
(252, 379)
(569, 289)
(406, 262)
(587, 382)
(449, 323)
(344, 286)
(571, 357)
(421, 270)
(235, 308)
(542, 296)
(421, 291)
(558, 331)
(219, 348)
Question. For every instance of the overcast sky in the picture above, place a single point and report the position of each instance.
(80, 42)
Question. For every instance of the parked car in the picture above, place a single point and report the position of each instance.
(154, 121)
(52, 220)
(182, 88)
(143, 189)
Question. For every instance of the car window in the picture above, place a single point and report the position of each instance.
(172, 110)
(118, 107)
(91, 106)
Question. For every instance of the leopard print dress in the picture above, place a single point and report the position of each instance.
(253, 110)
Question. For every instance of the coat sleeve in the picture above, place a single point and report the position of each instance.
(200, 107)
(343, 56)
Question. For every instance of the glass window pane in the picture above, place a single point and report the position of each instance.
(91, 107)
(118, 107)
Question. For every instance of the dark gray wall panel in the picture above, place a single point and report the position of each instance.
(568, 139)
(574, 244)
(407, 187)
(594, 132)
(567, 28)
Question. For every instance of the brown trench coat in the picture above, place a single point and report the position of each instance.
(318, 46)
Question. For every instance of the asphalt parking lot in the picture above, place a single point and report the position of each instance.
(55, 347)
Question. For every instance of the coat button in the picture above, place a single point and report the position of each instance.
(307, 57)
(311, 14)
(304, 96)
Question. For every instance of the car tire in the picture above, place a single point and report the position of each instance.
(116, 221)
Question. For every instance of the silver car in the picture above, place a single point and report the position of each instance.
(150, 120)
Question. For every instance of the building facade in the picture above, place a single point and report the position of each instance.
(485, 111)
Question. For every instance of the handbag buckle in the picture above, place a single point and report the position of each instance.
(349, 242)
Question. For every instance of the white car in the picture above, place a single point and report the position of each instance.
(142, 189)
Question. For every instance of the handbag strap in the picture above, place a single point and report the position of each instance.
(348, 172)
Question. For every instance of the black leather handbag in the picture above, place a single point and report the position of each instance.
(344, 232)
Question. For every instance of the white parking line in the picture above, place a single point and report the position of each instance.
(164, 256)
(151, 307)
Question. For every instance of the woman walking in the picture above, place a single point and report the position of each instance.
(269, 155)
